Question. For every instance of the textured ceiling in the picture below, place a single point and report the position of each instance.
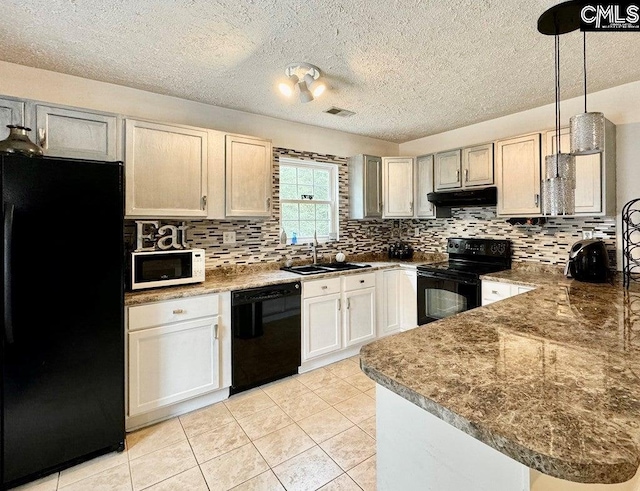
(407, 68)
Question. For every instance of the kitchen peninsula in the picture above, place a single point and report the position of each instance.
(543, 386)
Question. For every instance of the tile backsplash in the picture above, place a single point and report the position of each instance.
(258, 241)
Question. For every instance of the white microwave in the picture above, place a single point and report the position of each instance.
(152, 269)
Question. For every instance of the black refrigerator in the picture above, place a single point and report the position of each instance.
(62, 321)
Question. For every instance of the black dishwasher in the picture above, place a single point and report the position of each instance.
(266, 328)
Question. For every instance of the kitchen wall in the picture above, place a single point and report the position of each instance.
(258, 241)
(548, 243)
(621, 105)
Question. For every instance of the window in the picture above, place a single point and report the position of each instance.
(309, 199)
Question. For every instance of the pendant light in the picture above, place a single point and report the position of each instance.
(558, 185)
(587, 129)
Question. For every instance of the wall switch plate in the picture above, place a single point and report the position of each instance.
(228, 237)
(416, 232)
(587, 233)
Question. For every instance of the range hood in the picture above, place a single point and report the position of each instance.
(459, 199)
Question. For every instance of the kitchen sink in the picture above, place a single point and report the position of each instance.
(342, 266)
(308, 269)
(323, 268)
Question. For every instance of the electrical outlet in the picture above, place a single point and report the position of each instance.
(416, 232)
(228, 237)
(587, 233)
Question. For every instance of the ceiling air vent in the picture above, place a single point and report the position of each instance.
(336, 111)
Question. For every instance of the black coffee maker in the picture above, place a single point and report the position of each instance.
(588, 261)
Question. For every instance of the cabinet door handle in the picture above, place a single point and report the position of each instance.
(204, 202)
(361, 281)
(466, 175)
(348, 303)
(339, 304)
(324, 287)
(458, 175)
(411, 206)
(268, 202)
(537, 199)
(42, 135)
(430, 206)
(215, 331)
(178, 311)
(495, 292)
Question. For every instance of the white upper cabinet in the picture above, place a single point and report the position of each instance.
(595, 173)
(447, 170)
(63, 132)
(424, 185)
(240, 176)
(477, 166)
(518, 175)
(397, 186)
(248, 177)
(166, 170)
(11, 112)
(466, 168)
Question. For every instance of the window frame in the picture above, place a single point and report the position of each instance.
(333, 202)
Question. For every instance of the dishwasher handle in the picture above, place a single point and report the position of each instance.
(256, 295)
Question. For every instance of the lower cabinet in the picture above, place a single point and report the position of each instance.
(494, 291)
(321, 326)
(175, 352)
(398, 299)
(337, 313)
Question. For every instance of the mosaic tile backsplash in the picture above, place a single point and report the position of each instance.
(259, 241)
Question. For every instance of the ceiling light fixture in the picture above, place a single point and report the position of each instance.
(559, 184)
(306, 77)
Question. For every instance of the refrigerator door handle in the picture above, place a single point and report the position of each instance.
(8, 240)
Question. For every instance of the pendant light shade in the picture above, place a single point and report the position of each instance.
(587, 129)
(558, 189)
(587, 133)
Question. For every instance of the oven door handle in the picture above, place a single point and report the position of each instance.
(440, 276)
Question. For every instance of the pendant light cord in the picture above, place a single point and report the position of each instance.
(557, 75)
(584, 67)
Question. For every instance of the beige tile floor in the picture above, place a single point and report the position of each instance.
(311, 431)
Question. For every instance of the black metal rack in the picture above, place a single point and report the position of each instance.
(631, 242)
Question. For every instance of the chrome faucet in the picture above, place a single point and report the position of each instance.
(314, 248)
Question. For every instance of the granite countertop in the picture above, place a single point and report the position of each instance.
(549, 378)
(253, 276)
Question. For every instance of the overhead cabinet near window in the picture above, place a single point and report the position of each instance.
(166, 170)
(595, 173)
(240, 177)
(397, 187)
(11, 112)
(518, 176)
(64, 132)
(248, 175)
(365, 187)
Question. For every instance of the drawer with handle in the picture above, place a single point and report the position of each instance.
(357, 281)
(320, 287)
(159, 313)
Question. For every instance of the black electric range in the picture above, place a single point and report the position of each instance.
(450, 287)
